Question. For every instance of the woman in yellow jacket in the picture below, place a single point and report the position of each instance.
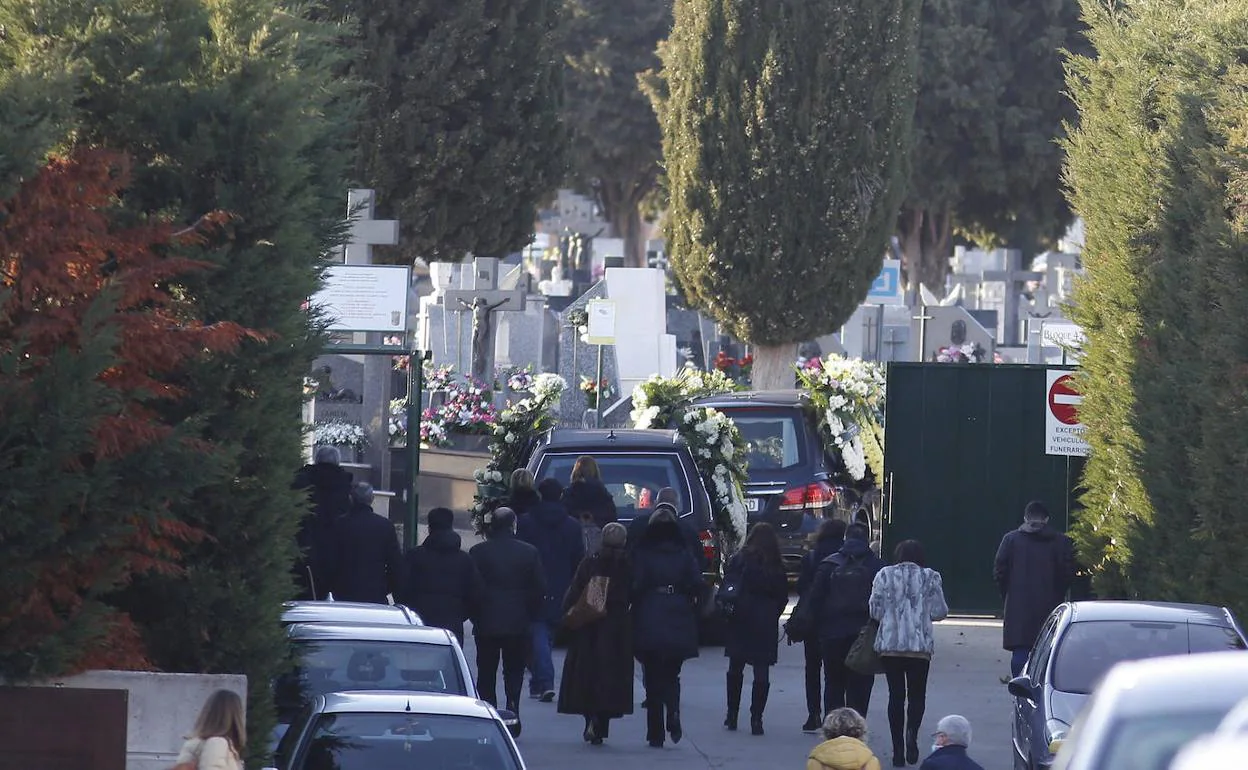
(844, 748)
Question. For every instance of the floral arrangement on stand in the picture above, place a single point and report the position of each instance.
(396, 425)
(468, 408)
(713, 438)
(849, 395)
(967, 353)
(339, 433)
(578, 321)
(596, 390)
(516, 428)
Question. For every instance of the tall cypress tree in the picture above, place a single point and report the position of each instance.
(460, 131)
(786, 135)
(231, 105)
(1157, 171)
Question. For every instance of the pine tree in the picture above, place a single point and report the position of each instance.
(92, 341)
(1157, 170)
(233, 105)
(460, 131)
(786, 134)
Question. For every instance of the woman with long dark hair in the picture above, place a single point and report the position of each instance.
(905, 599)
(754, 625)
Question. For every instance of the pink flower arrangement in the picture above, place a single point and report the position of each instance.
(469, 408)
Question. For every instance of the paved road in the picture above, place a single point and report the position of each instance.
(964, 679)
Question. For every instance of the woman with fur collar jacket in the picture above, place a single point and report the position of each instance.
(905, 599)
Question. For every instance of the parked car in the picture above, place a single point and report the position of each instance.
(1081, 641)
(635, 465)
(1144, 712)
(360, 613)
(385, 730)
(335, 658)
(794, 482)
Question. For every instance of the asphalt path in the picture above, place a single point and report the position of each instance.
(965, 679)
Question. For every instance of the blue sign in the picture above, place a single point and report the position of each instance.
(886, 288)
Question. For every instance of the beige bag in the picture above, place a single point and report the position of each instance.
(591, 605)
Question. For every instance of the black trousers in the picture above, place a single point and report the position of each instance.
(514, 652)
(907, 694)
(843, 686)
(661, 678)
(814, 678)
(762, 674)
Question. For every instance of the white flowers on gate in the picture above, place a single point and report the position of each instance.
(487, 476)
(849, 394)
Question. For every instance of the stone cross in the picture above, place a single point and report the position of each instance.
(366, 231)
(483, 299)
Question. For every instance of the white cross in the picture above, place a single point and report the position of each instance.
(367, 232)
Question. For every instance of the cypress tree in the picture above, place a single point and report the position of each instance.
(1157, 169)
(460, 132)
(786, 135)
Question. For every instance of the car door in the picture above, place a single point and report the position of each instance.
(1029, 715)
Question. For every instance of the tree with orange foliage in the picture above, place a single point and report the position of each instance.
(93, 337)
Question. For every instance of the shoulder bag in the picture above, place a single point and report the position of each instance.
(862, 656)
(591, 605)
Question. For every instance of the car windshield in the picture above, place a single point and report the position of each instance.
(1089, 648)
(1150, 743)
(773, 437)
(371, 741)
(634, 480)
(326, 666)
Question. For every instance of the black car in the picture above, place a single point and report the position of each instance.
(1081, 641)
(635, 465)
(794, 482)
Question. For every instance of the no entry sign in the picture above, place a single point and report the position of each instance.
(1063, 434)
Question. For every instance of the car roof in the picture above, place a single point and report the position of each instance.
(788, 398)
(395, 701)
(607, 439)
(348, 612)
(363, 633)
(1161, 612)
(1177, 683)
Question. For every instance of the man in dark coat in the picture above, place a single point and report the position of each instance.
(597, 680)
(1034, 568)
(514, 591)
(442, 583)
(951, 740)
(839, 596)
(668, 497)
(828, 540)
(666, 586)
(329, 489)
(369, 563)
(557, 538)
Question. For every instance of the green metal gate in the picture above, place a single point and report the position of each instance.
(964, 452)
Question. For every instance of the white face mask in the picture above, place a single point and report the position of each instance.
(936, 746)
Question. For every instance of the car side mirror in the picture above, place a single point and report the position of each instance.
(511, 721)
(1022, 687)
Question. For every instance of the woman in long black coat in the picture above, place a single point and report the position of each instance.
(754, 626)
(597, 680)
(666, 584)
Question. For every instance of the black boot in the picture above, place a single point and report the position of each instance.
(758, 702)
(735, 683)
(912, 745)
(673, 714)
(899, 750)
(654, 722)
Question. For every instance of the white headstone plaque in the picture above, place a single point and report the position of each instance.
(365, 298)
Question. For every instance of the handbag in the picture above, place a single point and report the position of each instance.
(862, 657)
(730, 588)
(591, 605)
(800, 625)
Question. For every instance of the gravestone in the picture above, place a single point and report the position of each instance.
(484, 302)
(521, 337)
(692, 331)
(578, 359)
(941, 327)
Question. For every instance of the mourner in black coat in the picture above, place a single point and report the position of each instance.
(369, 563)
(1034, 568)
(828, 540)
(329, 492)
(524, 495)
(442, 583)
(586, 495)
(514, 590)
(754, 624)
(597, 678)
(666, 584)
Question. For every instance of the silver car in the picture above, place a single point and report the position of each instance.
(1144, 711)
(385, 730)
(349, 612)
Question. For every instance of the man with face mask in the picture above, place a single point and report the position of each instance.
(949, 745)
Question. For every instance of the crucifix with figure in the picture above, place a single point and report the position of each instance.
(483, 302)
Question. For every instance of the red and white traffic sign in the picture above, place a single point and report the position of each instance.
(1063, 433)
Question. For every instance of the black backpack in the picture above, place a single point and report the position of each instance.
(849, 588)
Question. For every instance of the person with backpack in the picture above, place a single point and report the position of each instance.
(753, 626)
(828, 540)
(840, 594)
(905, 599)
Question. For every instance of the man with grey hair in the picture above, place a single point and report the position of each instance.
(328, 487)
(949, 744)
(369, 563)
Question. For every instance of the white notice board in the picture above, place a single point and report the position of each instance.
(365, 298)
(601, 321)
